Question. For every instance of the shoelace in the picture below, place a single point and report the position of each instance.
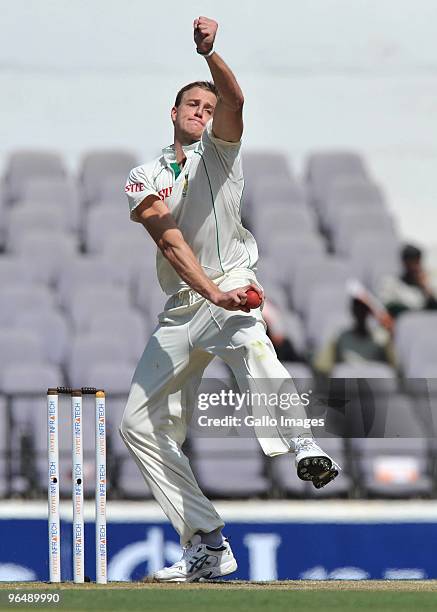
(186, 550)
(304, 443)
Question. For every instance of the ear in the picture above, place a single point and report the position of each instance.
(174, 113)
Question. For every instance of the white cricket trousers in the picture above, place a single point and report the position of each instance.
(190, 333)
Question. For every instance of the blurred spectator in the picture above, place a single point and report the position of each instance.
(361, 343)
(277, 332)
(412, 290)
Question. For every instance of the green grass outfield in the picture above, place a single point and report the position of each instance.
(290, 596)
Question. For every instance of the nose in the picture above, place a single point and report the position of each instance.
(199, 112)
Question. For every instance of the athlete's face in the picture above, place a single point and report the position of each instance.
(194, 111)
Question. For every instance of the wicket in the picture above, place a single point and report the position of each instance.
(77, 481)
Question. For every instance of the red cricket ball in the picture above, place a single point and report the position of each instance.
(253, 299)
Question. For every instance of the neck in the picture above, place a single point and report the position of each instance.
(179, 142)
(180, 155)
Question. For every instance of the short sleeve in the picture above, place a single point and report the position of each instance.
(139, 185)
(229, 153)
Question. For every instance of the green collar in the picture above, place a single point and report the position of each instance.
(176, 169)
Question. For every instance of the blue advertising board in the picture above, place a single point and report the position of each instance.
(265, 550)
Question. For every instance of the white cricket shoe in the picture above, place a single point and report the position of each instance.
(313, 463)
(199, 562)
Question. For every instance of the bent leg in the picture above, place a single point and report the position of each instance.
(241, 341)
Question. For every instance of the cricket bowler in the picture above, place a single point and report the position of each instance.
(188, 199)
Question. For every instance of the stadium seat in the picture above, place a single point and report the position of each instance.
(33, 376)
(27, 217)
(286, 221)
(16, 271)
(3, 217)
(356, 406)
(357, 191)
(349, 193)
(20, 346)
(56, 192)
(315, 255)
(270, 192)
(422, 358)
(102, 222)
(373, 257)
(46, 254)
(394, 467)
(403, 419)
(369, 369)
(127, 480)
(25, 165)
(271, 277)
(131, 245)
(262, 164)
(15, 300)
(328, 302)
(126, 324)
(353, 223)
(5, 436)
(322, 168)
(289, 248)
(26, 384)
(112, 193)
(327, 329)
(99, 166)
(311, 275)
(88, 300)
(130, 483)
(89, 349)
(135, 251)
(149, 297)
(54, 329)
(411, 328)
(91, 271)
(214, 461)
(114, 376)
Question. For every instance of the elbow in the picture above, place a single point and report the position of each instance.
(238, 102)
(166, 248)
(235, 103)
(163, 246)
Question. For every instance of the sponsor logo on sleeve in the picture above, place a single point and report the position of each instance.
(134, 187)
(137, 187)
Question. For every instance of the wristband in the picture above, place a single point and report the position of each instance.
(206, 54)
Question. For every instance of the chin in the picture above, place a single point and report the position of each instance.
(197, 132)
(193, 136)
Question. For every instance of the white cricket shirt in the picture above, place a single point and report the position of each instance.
(204, 198)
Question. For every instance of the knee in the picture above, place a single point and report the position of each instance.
(123, 429)
(256, 346)
(136, 423)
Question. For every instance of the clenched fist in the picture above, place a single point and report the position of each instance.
(204, 34)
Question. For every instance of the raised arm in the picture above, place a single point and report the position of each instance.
(227, 123)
